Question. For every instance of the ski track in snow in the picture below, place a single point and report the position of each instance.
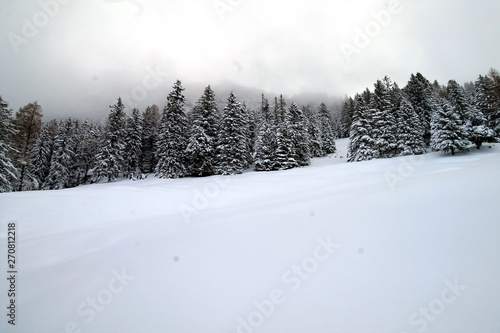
(400, 247)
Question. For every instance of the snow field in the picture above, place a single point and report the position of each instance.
(413, 248)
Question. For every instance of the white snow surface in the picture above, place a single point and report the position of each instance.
(414, 247)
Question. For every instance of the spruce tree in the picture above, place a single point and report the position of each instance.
(313, 131)
(266, 139)
(27, 123)
(447, 131)
(203, 135)
(487, 101)
(409, 129)
(232, 143)
(42, 152)
(346, 117)
(86, 150)
(383, 120)
(133, 146)
(459, 100)
(8, 172)
(421, 95)
(327, 135)
(299, 136)
(173, 137)
(62, 158)
(110, 158)
(361, 143)
(151, 118)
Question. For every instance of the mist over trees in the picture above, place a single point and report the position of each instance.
(226, 138)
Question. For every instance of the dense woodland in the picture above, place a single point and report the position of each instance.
(210, 139)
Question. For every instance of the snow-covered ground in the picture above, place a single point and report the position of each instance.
(399, 245)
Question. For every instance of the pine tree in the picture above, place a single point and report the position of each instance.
(487, 101)
(409, 129)
(87, 147)
(313, 131)
(299, 136)
(266, 139)
(110, 158)
(460, 102)
(27, 123)
(203, 135)
(62, 158)
(447, 130)
(325, 125)
(133, 146)
(384, 121)
(150, 127)
(361, 143)
(8, 172)
(42, 152)
(346, 117)
(172, 141)
(232, 143)
(421, 95)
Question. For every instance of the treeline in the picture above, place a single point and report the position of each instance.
(174, 143)
(389, 121)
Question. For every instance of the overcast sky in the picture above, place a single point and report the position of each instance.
(79, 55)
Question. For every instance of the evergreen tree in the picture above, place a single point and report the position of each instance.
(346, 117)
(361, 143)
(421, 96)
(42, 152)
(266, 139)
(173, 140)
(232, 143)
(460, 102)
(410, 131)
(487, 101)
(383, 119)
(150, 126)
(133, 146)
(62, 158)
(8, 172)
(110, 158)
(447, 130)
(27, 123)
(203, 135)
(87, 147)
(313, 131)
(299, 136)
(325, 125)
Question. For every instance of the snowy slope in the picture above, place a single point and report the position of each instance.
(399, 245)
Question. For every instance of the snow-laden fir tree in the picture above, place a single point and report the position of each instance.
(232, 143)
(421, 96)
(313, 132)
(151, 118)
(203, 135)
(41, 155)
(133, 146)
(346, 115)
(27, 123)
(8, 172)
(297, 129)
(361, 144)
(410, 130)
(458, 98)
(326, 128)
(284, 159)
(62, 158)
(383, 119)
(487, 101)
(111, 155)
(447, 131)
(173, 137)
(266, 139)
(251, 133)
(87, 147)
